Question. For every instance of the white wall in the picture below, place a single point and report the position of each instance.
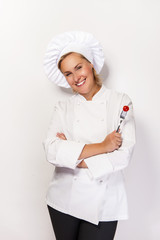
(129, 31)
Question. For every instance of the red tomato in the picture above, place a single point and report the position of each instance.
(125, 108)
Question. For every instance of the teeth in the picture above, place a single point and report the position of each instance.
(79, 84)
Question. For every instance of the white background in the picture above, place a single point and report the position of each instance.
(129, 31)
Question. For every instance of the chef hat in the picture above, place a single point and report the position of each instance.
(74, 41)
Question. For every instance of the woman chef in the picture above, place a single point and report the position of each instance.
(86, 196)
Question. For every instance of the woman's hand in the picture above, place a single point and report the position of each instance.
(61, 136)
(112, 142)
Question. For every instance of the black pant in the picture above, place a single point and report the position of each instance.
(67, 227)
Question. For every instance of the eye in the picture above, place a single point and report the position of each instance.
(79, 67)
(68, 74)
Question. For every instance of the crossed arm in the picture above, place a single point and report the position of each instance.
(111, 142)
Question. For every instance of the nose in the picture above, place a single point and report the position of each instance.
(76, 77)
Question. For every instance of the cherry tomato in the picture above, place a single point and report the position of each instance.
(125, 108)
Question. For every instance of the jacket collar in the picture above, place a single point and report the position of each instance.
(96, 97)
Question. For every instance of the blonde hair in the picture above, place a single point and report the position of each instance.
(96, 76)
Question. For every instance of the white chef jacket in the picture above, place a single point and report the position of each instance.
(96, 193)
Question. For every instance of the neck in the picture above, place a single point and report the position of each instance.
(89, 96)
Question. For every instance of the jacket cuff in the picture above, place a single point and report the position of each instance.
(99, 166)
(68, 153)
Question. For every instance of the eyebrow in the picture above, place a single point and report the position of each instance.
(74, 67)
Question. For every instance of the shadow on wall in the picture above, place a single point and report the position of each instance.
(142, 186)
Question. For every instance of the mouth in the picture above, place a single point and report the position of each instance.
(81, 83)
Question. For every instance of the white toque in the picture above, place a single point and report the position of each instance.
(74, 41)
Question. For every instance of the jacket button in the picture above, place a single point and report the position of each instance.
(102, 119)
(75, 178)
(77, 120)
(101, 181)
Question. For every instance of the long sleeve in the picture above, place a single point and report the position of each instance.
(103, 164)
(61, 153)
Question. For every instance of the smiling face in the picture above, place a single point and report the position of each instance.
(79, 75)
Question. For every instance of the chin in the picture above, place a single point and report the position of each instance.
(83, 91)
